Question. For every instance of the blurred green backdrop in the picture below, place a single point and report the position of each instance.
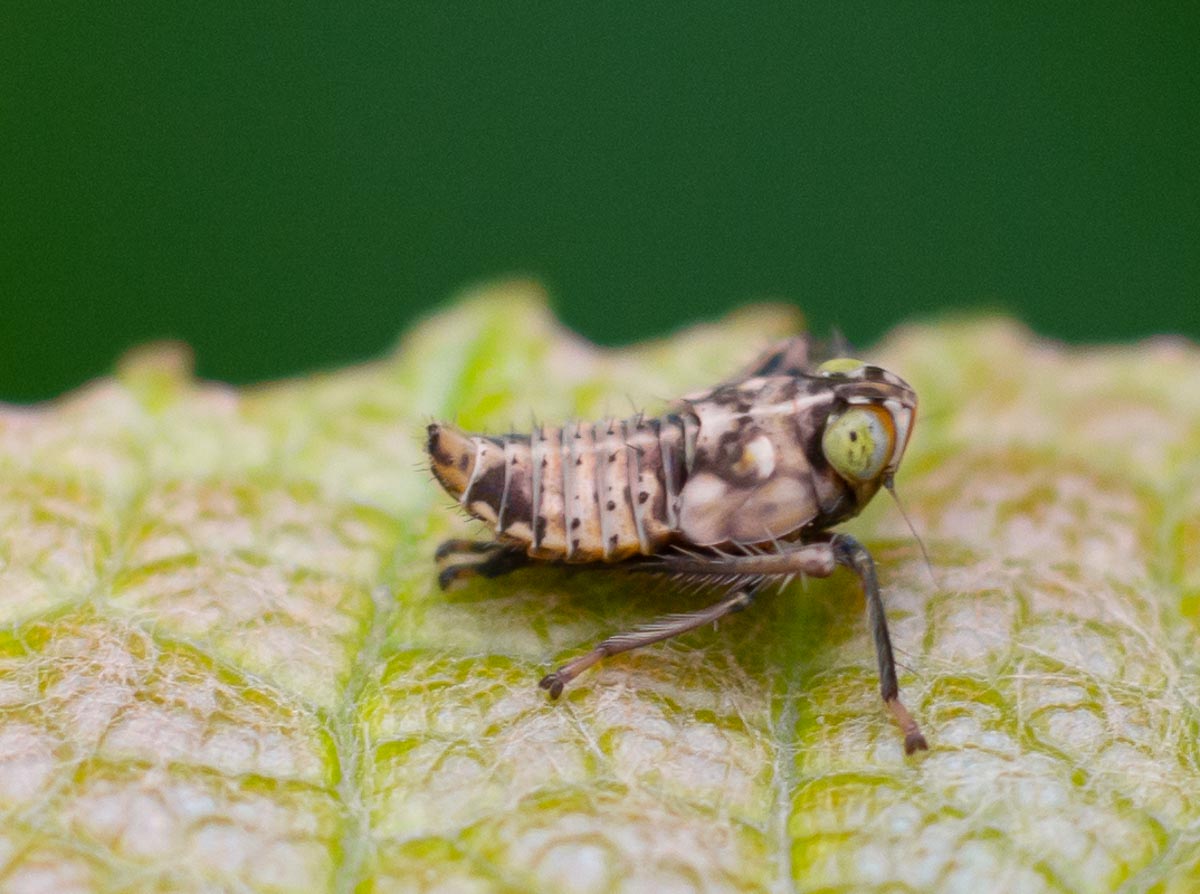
(287, 185)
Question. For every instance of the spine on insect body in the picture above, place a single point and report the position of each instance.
(583, 492)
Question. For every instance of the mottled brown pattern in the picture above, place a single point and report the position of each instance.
(550, 527)
(583, 493)
(515, 514)
(648, 483)
(745, 479)
(751, 480)
(740, 463)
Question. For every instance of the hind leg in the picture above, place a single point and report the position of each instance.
(654, 632)
(460, 560)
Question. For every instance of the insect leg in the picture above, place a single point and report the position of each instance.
(654, 632)
(817, 559)
(853, 555)
(462, 559)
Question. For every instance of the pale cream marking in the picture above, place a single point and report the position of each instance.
(604, 446)
(510, 451)
(568, 439)
(706, 488)
(758, 457)
(519, 530)
(585, 500)
(484, 511)
(902, 420)
(550, 504)
(633, 474)
(691, 432)
(671, 497)
(536, 452)
(479, 445)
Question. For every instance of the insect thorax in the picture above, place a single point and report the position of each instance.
(758, 472)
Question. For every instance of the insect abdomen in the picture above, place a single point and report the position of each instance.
(582, 493)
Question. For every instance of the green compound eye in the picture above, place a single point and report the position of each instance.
(840, 366)
(858, 442)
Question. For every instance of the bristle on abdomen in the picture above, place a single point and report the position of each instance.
(582, 493)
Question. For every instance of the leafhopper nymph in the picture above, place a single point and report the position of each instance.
(738, 485)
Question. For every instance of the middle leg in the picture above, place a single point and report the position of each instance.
(818, 559)
(744, 575)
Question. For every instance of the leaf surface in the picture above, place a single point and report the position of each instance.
(225, 665)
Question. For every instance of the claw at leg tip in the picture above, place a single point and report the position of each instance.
(913, 742)
(552, 684)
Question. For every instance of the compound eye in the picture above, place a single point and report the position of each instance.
(858, 442)
(840, 366)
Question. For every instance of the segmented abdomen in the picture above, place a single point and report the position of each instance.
(586, 492)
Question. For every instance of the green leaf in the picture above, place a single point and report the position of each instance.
(225, 664)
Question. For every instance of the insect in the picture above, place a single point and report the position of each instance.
(737, 486)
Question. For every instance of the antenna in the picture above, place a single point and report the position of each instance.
(890, 484)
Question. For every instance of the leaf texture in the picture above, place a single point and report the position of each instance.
(225, 665)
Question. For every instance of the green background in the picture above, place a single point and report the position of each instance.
(286, 186)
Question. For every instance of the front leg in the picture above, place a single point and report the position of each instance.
(853, 555)
(817, 560)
